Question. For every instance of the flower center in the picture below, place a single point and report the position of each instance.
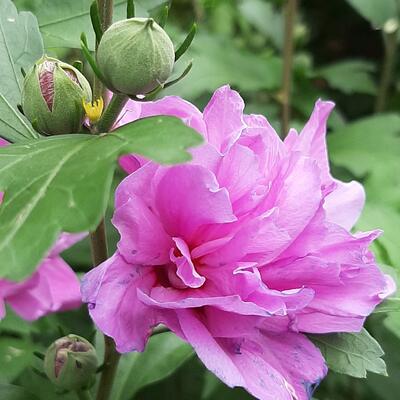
(182, 272)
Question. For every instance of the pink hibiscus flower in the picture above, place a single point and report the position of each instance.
(52, 287)
(239, 252)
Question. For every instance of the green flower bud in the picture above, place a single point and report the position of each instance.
(71, 362)
(135, 56)
(52, 97)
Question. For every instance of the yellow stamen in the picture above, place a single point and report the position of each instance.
(93, 109)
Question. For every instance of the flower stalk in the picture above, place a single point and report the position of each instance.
(390, 31)
(105, 8)
(111, 113)
(98, 237)
(290, 19)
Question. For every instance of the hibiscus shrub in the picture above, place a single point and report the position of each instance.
(241, 264)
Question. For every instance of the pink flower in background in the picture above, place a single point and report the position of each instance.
(239, 252)
(52, 287)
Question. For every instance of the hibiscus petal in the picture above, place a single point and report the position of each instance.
(169, 105)
(143, 239)
(187, 197)
(138, 183)
(262, 139)
(258, 239)
(312, 139)
(185, 268)
(176, 107)
(240, 293)
(296, 196)
(223, 116)
(269, 367)
(309, 271)
(53, 287)
(343, 205)
(238, 171)
(129, 113)
(174, 299)
(110, 291)
(66, 240)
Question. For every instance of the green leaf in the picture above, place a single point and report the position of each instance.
(265, 18)
(215, 389)
(351, 76)
(351, 353)
(15, 356)
(163, 355)
(376, 12)
(62, 183)
(62, 21)
(14, 324)
(388, 306)
(212, 67)
(186, 382)
(379, 215)
(370, 149)
(13, 392)
(362, 145)
(13, 125)
(20, 46)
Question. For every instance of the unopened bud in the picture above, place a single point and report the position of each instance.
(52, 97)
(135, 56)
(71, 362)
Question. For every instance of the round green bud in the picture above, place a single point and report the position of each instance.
(135, 56)
(71, 362)
(52, 97)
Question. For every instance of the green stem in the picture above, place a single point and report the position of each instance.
(98, 241)
(111, 113)
(198, 10)
(390, 41)
(290, 19)
(106, 15)
(111, 360)
(98, 237)
(84, 395)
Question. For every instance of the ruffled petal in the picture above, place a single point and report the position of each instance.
(343, 205)
(240, 292)
(223, 117)
(296, 194)
(347, 283)
(176, 107)
(270, 367)
(312, 139)
(143, 239)
(139, 183)
(186, 271)
(262, 139)
(53, 287)
(131, 112)
(255, 240)
(110, 291)
(188, 197)
(239, 172)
